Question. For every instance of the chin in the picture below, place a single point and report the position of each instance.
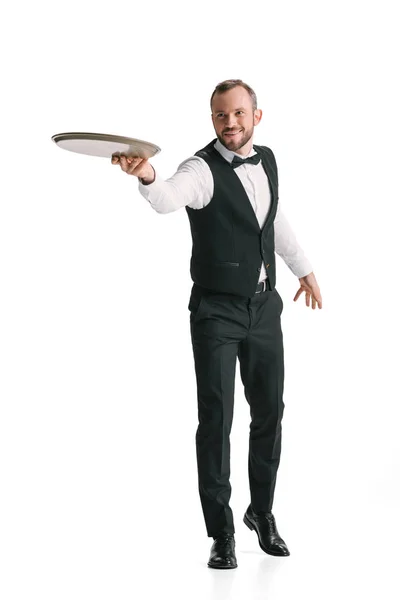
(232, 144)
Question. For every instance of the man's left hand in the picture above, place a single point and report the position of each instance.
(309, 285)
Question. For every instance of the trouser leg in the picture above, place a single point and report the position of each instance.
(261, 359)
(217, 325)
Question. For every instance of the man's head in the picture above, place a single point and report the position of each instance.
(234, 114)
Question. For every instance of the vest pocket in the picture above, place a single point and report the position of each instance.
(215, 263)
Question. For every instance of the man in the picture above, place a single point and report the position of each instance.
(235, 309)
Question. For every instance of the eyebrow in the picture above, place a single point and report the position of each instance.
(236, 109)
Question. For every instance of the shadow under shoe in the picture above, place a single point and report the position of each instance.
(222, 554)
(268, 537)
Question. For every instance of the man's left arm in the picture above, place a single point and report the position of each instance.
(288, 248)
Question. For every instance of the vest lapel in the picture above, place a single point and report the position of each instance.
(243, 204)
(246, 204)
(272, 188)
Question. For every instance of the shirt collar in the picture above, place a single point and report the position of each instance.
(228, 154)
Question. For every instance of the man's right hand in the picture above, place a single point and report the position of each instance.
(140, 167)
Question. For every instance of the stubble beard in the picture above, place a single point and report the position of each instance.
(235, 146)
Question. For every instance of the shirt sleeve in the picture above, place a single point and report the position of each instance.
(288, 248)
(192, 185)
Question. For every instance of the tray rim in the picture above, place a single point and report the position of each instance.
(77, 135)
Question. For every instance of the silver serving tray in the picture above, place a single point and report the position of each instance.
(106, 145)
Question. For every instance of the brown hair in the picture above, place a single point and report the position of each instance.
(228, 84)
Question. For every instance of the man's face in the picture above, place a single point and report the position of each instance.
(234, 119)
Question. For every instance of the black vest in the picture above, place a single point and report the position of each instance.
(228, 243)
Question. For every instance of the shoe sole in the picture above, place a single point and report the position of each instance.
(252, 528)
(222, 566)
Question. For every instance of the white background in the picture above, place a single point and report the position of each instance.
(98, 476)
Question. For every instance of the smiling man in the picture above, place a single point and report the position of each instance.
(229, 189)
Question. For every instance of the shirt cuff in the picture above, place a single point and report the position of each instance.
(146, 184)
(147, 188)
(301, 268)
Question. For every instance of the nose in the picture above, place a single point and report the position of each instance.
(230, 122)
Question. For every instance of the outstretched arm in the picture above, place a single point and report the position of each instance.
(192, 184)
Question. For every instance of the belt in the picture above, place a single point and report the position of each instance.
(261, 286)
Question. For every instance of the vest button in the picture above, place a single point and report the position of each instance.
(259, 269)
(267, 265)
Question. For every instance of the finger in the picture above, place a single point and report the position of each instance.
(132, 167)
(298, 293)
(132, 158)
(135, 163)
(124, 164)
(115, 159)
(317, 298)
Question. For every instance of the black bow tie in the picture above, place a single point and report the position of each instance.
(254, 160)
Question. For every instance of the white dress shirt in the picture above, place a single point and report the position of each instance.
(193, 185)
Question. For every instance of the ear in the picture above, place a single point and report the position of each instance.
(257, 116)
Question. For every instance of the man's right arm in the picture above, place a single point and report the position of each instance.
(192, 185)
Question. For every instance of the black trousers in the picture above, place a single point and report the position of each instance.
(225, 327)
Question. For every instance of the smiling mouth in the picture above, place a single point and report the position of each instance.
(232, 134)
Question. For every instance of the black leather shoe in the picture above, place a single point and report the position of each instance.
(223, 552)
(268, 537)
